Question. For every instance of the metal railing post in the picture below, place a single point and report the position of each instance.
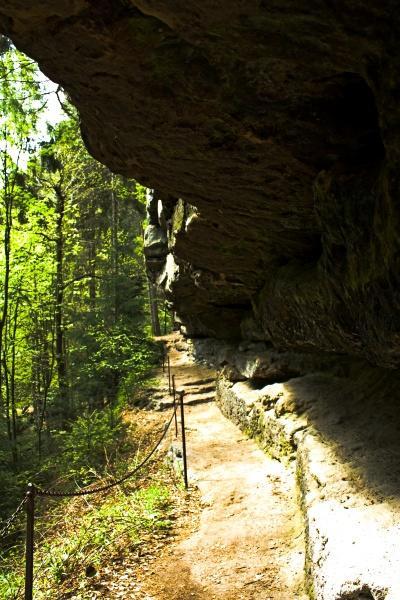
(30, 534)
(185, 474)
(169, 375)
(175, 415)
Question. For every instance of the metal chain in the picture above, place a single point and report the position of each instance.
(34, 490)
(105, 488)
(11, 519)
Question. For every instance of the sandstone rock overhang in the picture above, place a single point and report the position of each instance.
(278, 122)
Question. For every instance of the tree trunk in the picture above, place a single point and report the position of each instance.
(91, 234)
(59, 308)
(7, 199)
(13, 341)
(114, 248)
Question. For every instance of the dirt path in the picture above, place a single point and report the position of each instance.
(249, 541)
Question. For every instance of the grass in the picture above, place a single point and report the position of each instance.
(77, 538)
(113, 528)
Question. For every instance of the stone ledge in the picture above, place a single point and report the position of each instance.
(352, 523)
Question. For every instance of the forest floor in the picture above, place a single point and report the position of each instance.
(237, 533)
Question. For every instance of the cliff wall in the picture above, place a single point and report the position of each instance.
(270, 129)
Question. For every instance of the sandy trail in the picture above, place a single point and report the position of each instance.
(249, 540)
(244, 541)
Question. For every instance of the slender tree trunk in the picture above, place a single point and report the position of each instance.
(47, 369)
(59, 308)
(7, 398)
(114, 383)
(92, 270)
(8, 407)
(7, 199)
(92, 255)
(13, 341)
(42, 371)
(36, 380)
(114, 248)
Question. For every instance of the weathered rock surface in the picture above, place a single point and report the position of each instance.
(155, 247)
(343, 434)
(278, 122)
(260, 362)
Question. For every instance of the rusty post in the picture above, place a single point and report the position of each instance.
(185, 474)
(175, 407)
(30, 531)
(169, 375)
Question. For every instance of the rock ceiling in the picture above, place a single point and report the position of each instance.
(277, 122)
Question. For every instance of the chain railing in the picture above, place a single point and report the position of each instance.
(10, 521)
(34, 491)
(109, 486)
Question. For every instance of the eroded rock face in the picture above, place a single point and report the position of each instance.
(155, 247)
(341, 435)
(277, 122)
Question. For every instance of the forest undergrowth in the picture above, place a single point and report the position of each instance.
(77, 538)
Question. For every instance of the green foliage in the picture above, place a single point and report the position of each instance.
(89, 443)
(113, 527)
(74, 330)
(116, 525)
(11, 582)
(21, 98)
(74, 335)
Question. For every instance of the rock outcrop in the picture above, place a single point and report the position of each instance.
(342, 433)
(155, 247)
(275, 123)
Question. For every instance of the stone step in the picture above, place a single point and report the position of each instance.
(199, 382)
(190, 400)
(189, 389)
(192, 390)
